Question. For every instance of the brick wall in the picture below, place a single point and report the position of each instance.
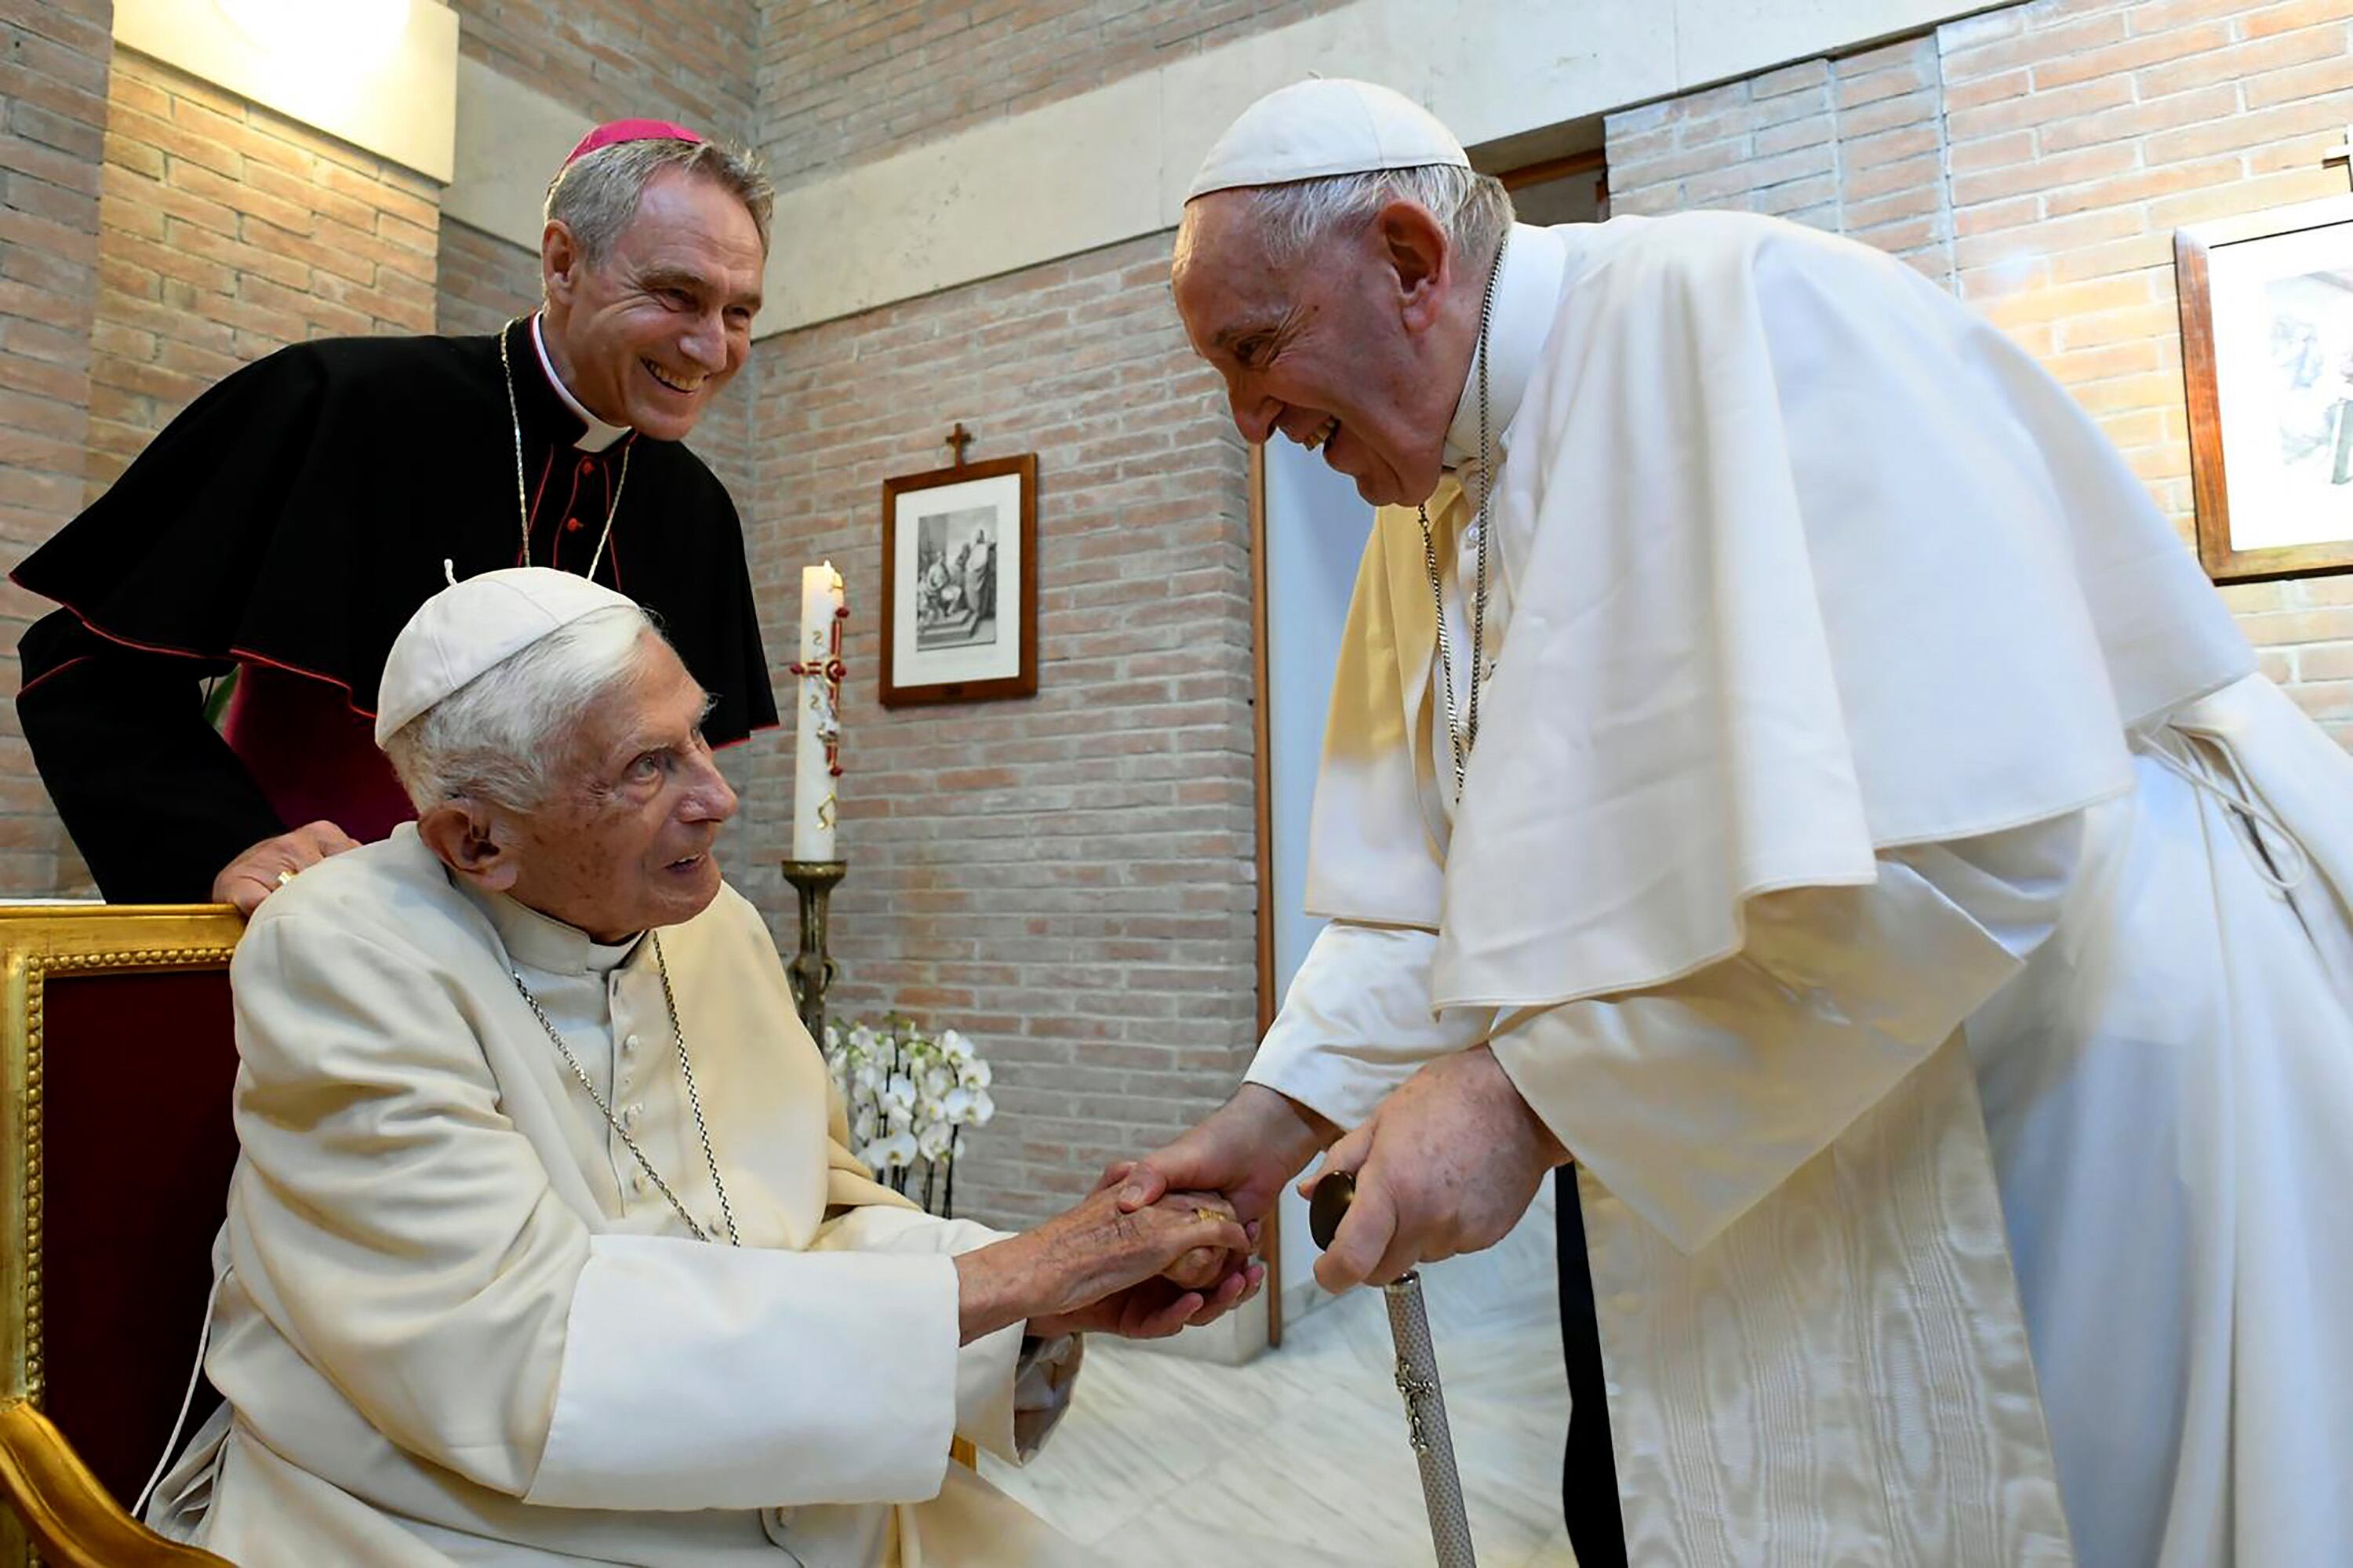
(482, 281)
(227, 231)
(52, 119)
(2038, 159)
(1069, 878)
(1854, 146)
(845, 80)
(691, 60)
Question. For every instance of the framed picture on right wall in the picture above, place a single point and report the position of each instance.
(2268, 363)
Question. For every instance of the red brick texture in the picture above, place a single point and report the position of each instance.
(227, 231)
(843, 81)
(2037, 160)
(690, 60)
(1069, 878)
(52, 122)
(482, 281)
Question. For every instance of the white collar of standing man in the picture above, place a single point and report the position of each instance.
(598, 435)
(1527, 298)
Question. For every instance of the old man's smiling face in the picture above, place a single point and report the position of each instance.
(1342, 350)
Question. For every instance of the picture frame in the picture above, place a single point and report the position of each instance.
(960, 583)
(2267, 306)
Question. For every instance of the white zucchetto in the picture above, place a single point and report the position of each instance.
(1315, 129)
(469, 628)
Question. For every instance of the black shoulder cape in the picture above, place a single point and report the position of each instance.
(295, 515)
(301, 510)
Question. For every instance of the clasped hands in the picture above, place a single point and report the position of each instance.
(1103, 1268)
(1446, 1164)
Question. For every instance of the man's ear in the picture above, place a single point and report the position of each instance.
(1414, 248)
(559, 262)
(467, 837)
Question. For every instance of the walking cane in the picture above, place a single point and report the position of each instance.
(1417, 1379)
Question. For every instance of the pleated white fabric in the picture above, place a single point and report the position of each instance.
(2170, 1088)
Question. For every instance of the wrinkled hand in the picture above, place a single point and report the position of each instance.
(1246, 1149)
(256, 874)
(1447, 1164)
(1063, 1275)
(1155, 1308)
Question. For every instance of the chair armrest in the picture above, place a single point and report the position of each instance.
(75, 1522)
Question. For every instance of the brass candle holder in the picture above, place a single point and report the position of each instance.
(811, 970)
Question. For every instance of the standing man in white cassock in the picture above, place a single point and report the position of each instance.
(1780, 761)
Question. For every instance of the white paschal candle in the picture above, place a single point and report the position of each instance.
(814, 806)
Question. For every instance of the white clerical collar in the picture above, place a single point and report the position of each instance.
(541, 942)
(1527, 298)
(599, 435)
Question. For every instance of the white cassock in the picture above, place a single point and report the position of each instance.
(455, 1324)
(1881, 868)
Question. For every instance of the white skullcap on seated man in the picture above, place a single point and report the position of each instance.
(544, 1244)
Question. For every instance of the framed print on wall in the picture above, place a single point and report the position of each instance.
(960, 584)
(2267, 365)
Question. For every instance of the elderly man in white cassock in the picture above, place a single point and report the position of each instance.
(544, 1245)
(1780, 761)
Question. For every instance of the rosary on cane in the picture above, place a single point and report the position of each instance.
(1417, 1379)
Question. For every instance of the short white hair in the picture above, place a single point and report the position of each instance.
(596, 196)
(1473, 209)
(501, 736)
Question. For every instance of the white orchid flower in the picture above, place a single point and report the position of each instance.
(975, 1074)
(954, 1046)
(932, 1142)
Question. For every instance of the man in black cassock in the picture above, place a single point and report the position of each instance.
(287, 525)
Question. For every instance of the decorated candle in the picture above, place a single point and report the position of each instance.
(817, 755)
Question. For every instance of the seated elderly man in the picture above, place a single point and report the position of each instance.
(544, 1245)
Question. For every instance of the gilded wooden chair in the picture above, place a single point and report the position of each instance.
(72, 1519)
(117, 1057)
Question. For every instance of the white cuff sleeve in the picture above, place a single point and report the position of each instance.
(1008, 1398)
(1356, 1021)
(697, 1376)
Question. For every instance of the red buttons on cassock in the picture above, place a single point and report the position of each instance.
(572, 524)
